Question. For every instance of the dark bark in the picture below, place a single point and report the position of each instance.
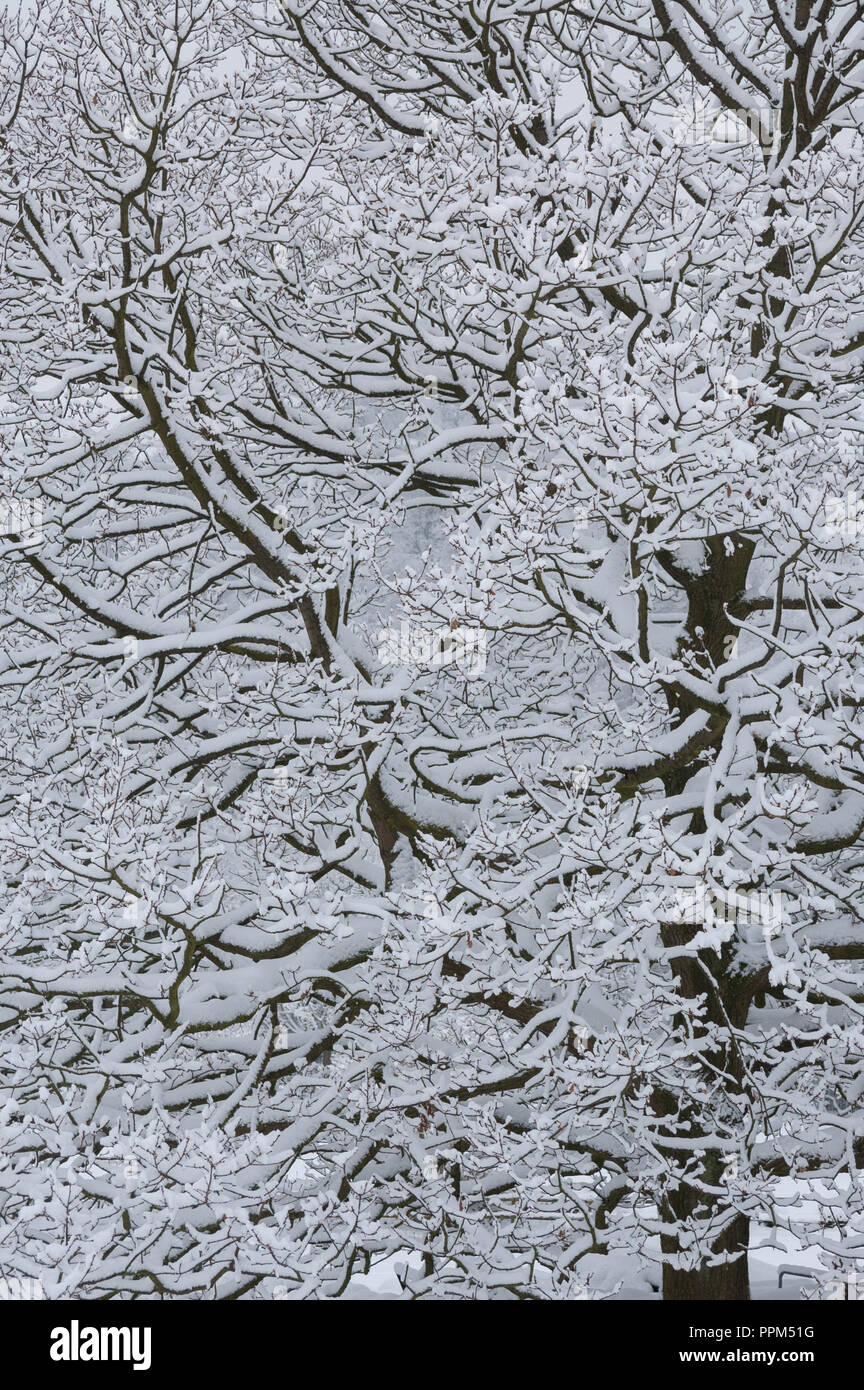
(727, 1281)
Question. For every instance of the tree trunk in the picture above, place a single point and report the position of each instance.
(718, 1283)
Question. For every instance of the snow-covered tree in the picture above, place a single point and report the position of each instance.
(432, 774)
